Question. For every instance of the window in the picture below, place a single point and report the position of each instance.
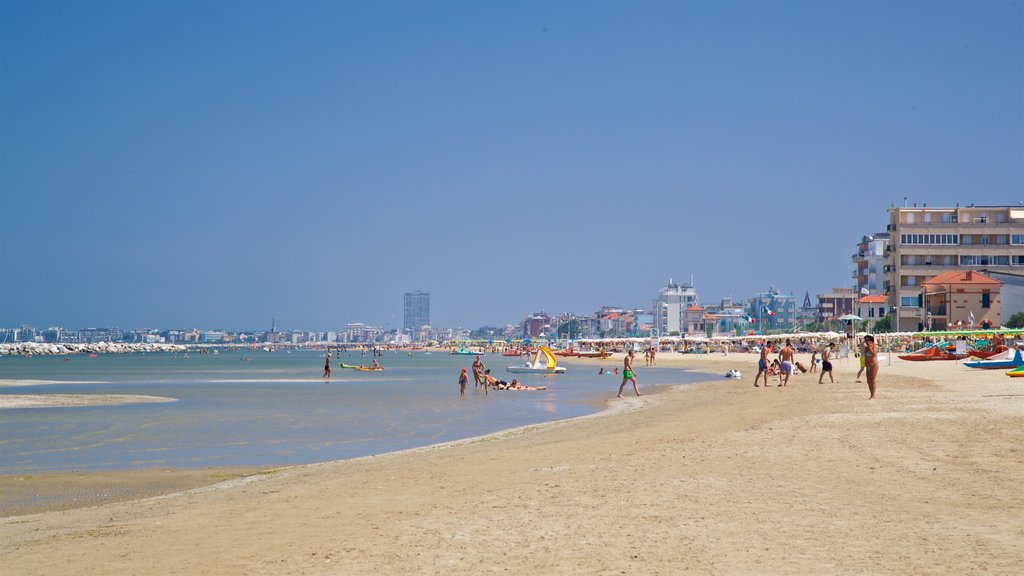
(986, 299)
(947, 217)
(881, 311)
(1017, 261)
(1001, 239)
(909, 301)
(1017, 239)
(910, 217)
(927, 217)
(999, 260)
(965, 239)
(970, 260)
(984, 240)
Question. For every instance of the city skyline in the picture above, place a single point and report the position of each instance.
(211, 164)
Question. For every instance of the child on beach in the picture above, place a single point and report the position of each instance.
(463, 380)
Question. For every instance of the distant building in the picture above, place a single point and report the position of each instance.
(835, 304)
(873, 307)
(417, 311)
(962, 299)
(729, 318)
(536, 324)
(869, 263)
(926, 242)
(1012, 292)
(772, 310)
(669, 306)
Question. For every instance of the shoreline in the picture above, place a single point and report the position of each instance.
(710, 478)
(85, 489)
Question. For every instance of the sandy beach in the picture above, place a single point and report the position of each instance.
(716, 478)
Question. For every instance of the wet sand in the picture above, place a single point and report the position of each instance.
(716, 478)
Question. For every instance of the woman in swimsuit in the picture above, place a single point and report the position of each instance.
(870, 355)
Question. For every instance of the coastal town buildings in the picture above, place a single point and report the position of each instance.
(536, 324)
(869, 263)
(835, 304)
(928, 241)
(727, 317)
(669, 305)
(961, 299)
(872, 307)
(772, 310)
(417, 311)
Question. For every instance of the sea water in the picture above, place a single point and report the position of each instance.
(258, 408)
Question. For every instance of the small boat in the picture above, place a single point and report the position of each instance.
(568, 353)
(937, 352)
(1017, 372)
(1011, 360)
(543, 363)
(361, 368)
(513, 352)
(987, 355)
(465, 352)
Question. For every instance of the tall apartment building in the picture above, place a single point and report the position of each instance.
(925, 242)
(869, 262)
(669, 306)
(417, 311)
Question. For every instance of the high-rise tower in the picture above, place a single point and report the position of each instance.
(417, 310)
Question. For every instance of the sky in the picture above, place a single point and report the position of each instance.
(214, 164)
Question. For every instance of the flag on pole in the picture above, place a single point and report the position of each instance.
(769, 311)
(970, 318)
(865, 291)
(748, 318)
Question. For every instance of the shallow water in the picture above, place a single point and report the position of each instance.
(275, 409)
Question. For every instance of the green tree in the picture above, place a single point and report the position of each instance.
(572, 329)
(883, 324)
(1016, 321)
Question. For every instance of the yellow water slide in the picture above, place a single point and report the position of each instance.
(544, 350)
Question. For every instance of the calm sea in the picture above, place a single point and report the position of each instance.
(274, 409)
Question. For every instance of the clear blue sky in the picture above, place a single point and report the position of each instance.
(209, 164)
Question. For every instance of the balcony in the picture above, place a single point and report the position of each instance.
(937, 310)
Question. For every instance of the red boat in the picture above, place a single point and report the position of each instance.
(932, 353)
(513, 352)
(570, 353)
(986, 355)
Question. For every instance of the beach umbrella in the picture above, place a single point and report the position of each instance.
(846, 317)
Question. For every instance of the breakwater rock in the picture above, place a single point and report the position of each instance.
(36, 348)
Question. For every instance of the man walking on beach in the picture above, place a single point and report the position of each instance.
(786, 366)
(762, 365)
(628, 375)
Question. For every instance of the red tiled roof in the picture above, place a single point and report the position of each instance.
(878, 299)
(962, 277)
(695, 308)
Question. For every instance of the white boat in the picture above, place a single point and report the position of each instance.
(543, 363)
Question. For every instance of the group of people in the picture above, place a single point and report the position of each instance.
(785, 365)
(482, 378)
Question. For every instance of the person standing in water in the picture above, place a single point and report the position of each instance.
(870, 356)
(327, 366)
(628, 375)
(463, 381)
(478, 372)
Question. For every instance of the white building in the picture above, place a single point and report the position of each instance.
(669, 306)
